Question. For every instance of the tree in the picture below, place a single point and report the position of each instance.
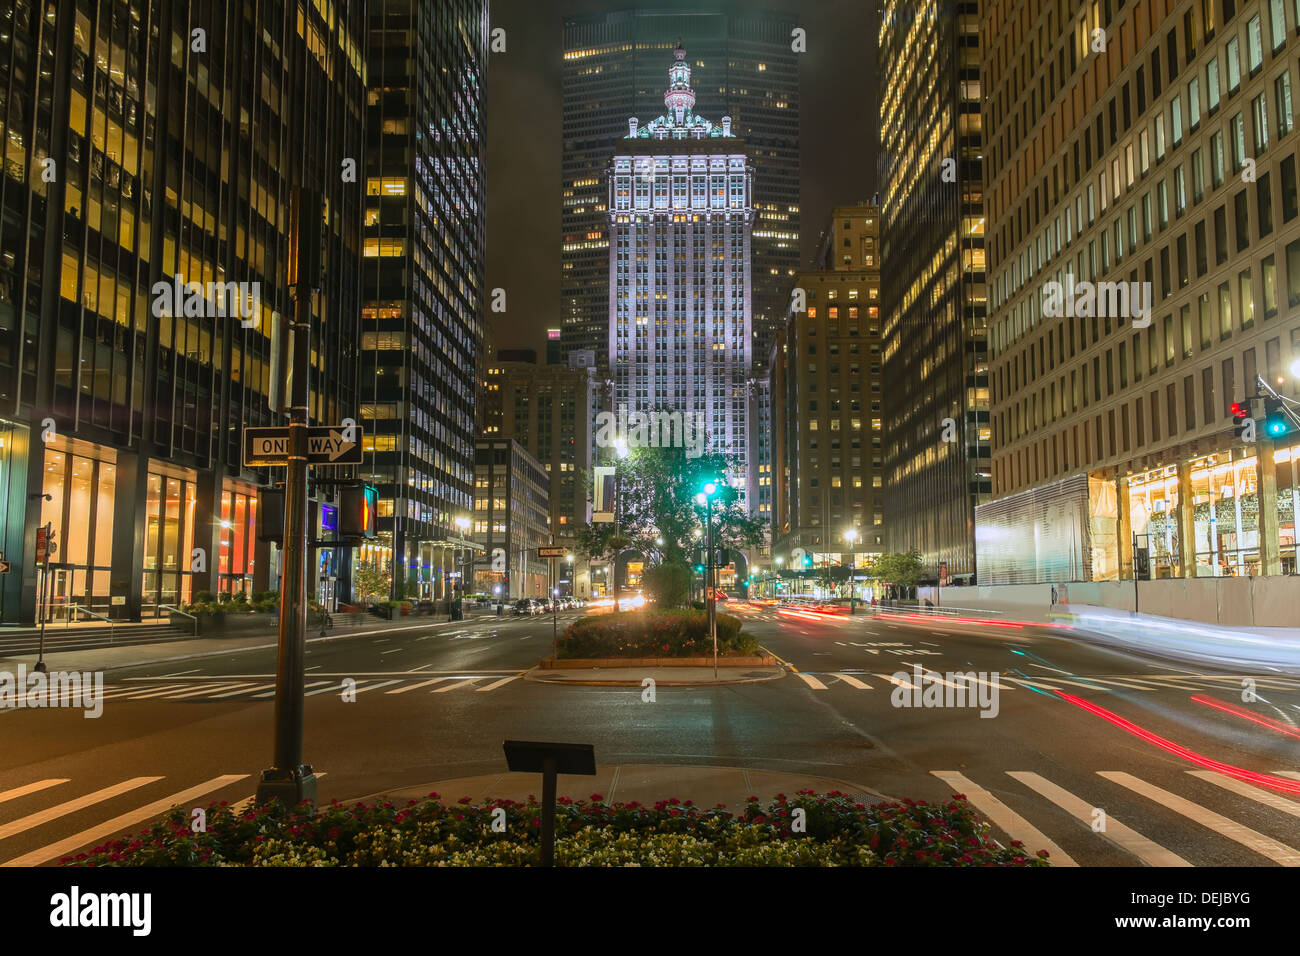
(900, 568)
(669, 583)
(370, 582)
(656, 490)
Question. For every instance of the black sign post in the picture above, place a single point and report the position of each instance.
(550, 760)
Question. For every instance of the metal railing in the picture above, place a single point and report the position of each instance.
(73, 609)
(173, 611)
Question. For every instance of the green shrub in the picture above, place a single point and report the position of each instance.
(205, 597)
(669, 584)
(654, 634)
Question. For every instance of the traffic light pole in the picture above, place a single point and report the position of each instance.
(289, 780)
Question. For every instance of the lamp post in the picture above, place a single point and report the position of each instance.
(462, 525)
(851, 536)
(705, 500)
(620, 448)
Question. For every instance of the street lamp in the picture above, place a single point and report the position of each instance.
(851, 536)
(462, 525)
(705, 500)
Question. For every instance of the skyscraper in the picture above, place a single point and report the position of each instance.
(153, 145)
(680, 222)
(613, 69)
(422, 318)
(933, 293)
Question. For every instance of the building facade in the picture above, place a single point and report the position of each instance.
(511, 498)
(153, 152)
(613, 69)
(828, 407)
(1144, 226)
(422, 317)
(933, 292)
(548, 409)
(680, 223)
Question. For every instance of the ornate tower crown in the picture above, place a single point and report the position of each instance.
(680, 98)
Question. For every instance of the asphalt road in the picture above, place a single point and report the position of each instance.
(1101, 758)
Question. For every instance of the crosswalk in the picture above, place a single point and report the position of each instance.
(1094, 818)
(861, 680)
(1131, 805)
(261, 687)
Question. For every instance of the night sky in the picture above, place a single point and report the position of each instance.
(839, 114)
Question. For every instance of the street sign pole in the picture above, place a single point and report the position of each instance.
(289, 780)
(43, 556)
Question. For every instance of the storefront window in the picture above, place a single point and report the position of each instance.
(168, 544)
(238, 538)
(80, 511)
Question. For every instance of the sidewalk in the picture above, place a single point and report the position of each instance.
(662, 676)
(644, 783)
(135, 655)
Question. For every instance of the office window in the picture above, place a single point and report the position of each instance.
(1282, 99)
(1259, 120)
(1212, 84)
(1216, 160)
(1232, 55)
(1254, 45)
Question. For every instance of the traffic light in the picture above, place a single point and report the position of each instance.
(357, 507)
(1243, 426)
(1277, 424)
(699, 569)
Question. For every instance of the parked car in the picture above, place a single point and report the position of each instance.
(523, 606)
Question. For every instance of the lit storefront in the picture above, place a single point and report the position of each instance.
(1225, 514)
(170, 502)
(79, 488)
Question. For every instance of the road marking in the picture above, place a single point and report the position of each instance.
(854, 682)
(382, 683)
(902, 682)
(121, 822)
(72, 806)
(22, 791)
(243, 690)
(1035, 685)
(416, 670)
(1277, 852)
(495, 684)
(1011, 823)
(204, 690)
(391, 650)
(333, 685)
(443, 690)
(138, 689)
(1149, 852)
(811, 681)
(318, 683)
(173, 690)
(409, 687)
(179, 673)
(1294, 775)
(1266, 797)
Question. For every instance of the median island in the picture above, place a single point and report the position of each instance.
(655, 638)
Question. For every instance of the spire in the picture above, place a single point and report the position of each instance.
(679, 98)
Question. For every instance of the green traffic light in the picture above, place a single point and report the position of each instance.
(1276, 426)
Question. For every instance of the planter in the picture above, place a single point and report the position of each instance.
(222, 624)
(580, 663)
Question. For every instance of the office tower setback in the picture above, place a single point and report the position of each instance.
(933, 285)
(1144, 228)
(613, 69)
(828, 469)
(681, 215)
(152, 145)
(422, 319)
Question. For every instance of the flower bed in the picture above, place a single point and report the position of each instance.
(838, 832)
(654, 634)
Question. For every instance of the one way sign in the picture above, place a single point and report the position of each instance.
(326, 445)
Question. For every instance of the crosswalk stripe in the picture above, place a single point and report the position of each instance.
(174, 695)
(410, 687)
(271, 693)
(335, 686)
(1149, 852)
(902, 682)
(1002, 816)
(1241, 788)
(243, 690)
(463, 683)
(1038, 685)
(499, 683)
(811, 681)
(138, 689)
(72, 806)
(1275, 851)
(854, 682)
(121, 822)
(1293, 774)
(22, 791)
